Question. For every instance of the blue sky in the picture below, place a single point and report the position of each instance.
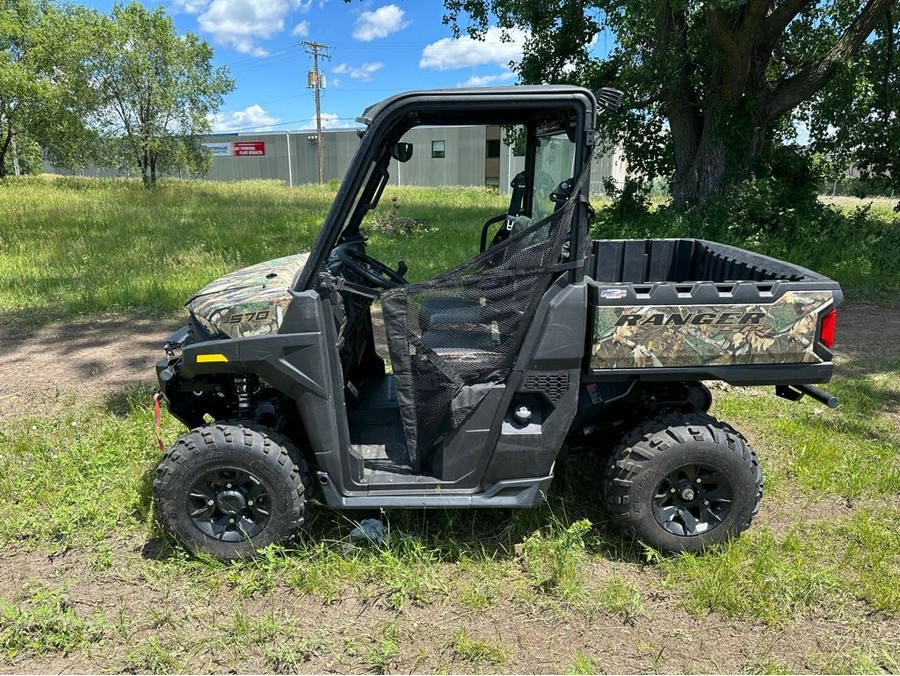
(378, 48)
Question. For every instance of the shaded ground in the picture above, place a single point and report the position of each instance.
(87, 358)
(155, 620)
(93, 358)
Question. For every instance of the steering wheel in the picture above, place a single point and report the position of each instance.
(373, 272)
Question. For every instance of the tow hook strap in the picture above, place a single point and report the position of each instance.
(157, 415)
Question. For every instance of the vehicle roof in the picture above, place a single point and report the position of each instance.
(502, 94)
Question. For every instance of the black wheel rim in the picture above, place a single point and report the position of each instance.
(229, 504)
(692, 500)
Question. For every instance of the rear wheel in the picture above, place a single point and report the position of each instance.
(683, 482)
(228, 490)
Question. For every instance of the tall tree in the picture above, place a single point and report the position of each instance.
(158, 90)
(44, 93)
(856, 121)
(720, 76)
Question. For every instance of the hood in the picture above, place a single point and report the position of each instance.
(248, 302)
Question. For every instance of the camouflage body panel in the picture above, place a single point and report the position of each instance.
(781, 332)
(250, 301)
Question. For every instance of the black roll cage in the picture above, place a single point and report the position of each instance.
(533, 107)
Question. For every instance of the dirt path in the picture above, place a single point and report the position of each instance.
(85, 358)
(868, 333)
(92, 358)
(171, 623)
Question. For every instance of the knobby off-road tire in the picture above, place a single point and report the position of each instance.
(683, 482)
(230, 489)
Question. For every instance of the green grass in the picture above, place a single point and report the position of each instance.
(44, 622)
(77, 478)
(476, 651)
(72, 245)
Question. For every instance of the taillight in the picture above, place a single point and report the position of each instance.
(826, 335)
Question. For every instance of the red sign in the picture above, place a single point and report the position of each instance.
(248, 148)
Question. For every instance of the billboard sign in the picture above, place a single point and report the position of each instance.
(237, 149)
(248, 148)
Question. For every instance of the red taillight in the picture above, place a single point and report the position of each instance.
(826, 335)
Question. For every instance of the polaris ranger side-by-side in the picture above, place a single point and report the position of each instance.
(544, 339)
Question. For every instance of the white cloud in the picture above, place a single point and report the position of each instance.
(485, 80)
(241, 23)
(190, 6)
(379, 24)
(252, 117)
(363, 72)
(463, 52)
(301, 30)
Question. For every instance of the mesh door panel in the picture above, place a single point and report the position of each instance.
(465, 326)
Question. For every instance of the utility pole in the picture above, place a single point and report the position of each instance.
(316, 82)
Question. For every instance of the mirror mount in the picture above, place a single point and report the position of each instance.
(402, 152)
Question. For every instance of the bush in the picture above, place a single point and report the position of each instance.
(777, 214)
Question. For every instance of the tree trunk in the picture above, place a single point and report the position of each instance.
(704, 178)
(4, 147)
(715, 162)
(152, 168)
(739, 95)
(145, 167)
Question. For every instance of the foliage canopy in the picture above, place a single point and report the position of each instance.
(711, 85)
(156, 89)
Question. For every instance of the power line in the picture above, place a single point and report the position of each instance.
(267, 127)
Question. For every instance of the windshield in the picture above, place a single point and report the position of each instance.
(554, 161)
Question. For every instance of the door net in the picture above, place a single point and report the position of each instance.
(452, 336)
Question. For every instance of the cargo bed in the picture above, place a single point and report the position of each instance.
(694, 309)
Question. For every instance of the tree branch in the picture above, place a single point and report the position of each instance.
(643, 103)
(781, 16)
(790, 92)
(719, 33)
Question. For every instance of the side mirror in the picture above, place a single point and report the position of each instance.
(402, 152)
(609, 98)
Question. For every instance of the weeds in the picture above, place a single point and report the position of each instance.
(551, 561)
(150, 656)
(581, 664)
(619, 597)
(760, 576)
(383, 648)
(476, 651)
(44, 623)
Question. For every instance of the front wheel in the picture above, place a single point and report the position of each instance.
(683, 482)
(228, 490)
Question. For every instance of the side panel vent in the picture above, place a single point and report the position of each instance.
(553, 385)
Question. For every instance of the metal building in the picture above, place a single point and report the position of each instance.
(472, 155)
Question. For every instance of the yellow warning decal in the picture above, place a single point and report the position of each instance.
(210, 358)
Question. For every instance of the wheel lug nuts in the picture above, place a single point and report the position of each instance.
(672, 491)
(229, 485)
(706, 502)
(210, 502)
(680, 512)
(230, 520)
(698, 481)
(249, 503)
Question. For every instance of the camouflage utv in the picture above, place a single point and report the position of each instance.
(543, 339)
